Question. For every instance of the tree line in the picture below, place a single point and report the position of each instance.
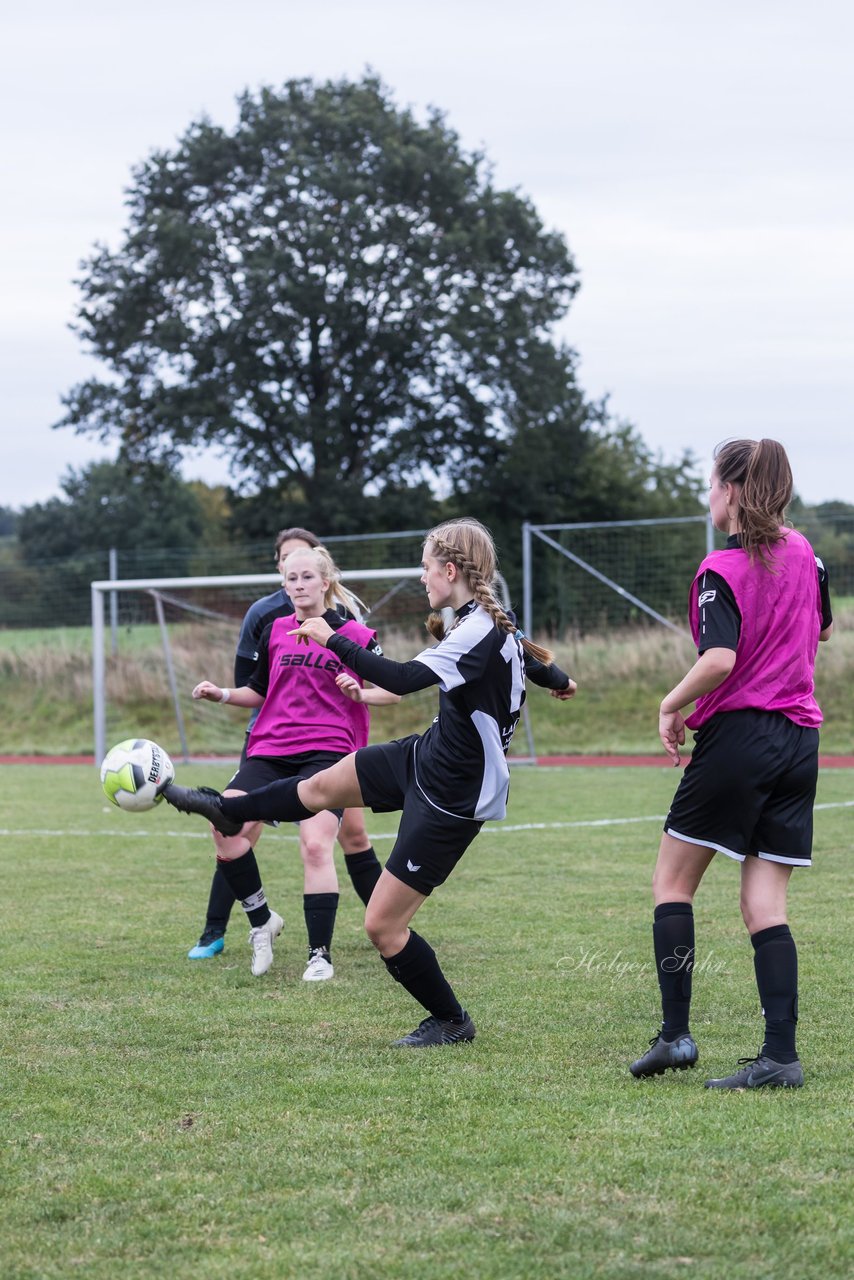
(339, 297)
(162, 525)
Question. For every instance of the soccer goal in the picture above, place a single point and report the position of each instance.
(601, 574)
(153, 639)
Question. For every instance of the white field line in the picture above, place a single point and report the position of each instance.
(497, 829)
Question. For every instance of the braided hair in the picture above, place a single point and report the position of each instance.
(761, 469)
(468, 544)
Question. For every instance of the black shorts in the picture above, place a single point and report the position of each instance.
(258, 771)
(749, 788)
(429, 841)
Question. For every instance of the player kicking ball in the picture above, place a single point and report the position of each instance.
(446, 782)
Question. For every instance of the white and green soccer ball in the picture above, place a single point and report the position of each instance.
(134, 774)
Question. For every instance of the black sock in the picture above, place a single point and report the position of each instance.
(220, 902)
(673, 940)
(775, 961)
(364, 870)
(319, 910)
(417, 969)
(278, 800)
(244, 879)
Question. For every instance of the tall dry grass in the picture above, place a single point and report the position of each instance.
(46, 689)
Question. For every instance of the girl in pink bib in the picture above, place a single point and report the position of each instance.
(312, 711)
(758, 609)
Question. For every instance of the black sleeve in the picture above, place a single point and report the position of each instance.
(259, 680)
(720, 616)
(243, 668)
(397, 677)
(338, 616)
(824, 588)
(547, 677)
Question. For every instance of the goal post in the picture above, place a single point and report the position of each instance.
(244, 588)
(620, 571)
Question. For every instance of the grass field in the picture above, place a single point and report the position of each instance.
(168, 1118)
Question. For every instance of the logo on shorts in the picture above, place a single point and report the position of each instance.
(706, 597)
(410, 866)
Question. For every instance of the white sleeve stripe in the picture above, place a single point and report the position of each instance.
(444, 658)
(444, 666)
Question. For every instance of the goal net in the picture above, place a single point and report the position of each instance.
(154, 639)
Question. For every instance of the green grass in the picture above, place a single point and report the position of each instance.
(163, 1117)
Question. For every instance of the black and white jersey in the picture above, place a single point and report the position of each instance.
(460, 761)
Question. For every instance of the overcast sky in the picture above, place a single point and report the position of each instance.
(697, 158)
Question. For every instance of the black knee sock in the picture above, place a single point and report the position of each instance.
(276, 800)
(220, 902)
(244, 879)
(319, 910)
(775, 960)
(417, 969)
(673, 940)
(364, 870)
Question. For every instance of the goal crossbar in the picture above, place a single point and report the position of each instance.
(104, 587)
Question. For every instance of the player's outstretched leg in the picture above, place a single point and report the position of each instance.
(204, 801)
(277, 801)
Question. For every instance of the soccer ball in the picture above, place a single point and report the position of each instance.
(134, 774)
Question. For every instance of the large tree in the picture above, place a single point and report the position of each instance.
(333, 292)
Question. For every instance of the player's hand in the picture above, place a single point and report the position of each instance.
(315, 629)
(208, 691)
(671, 730)
(563, 694)
(350, 686)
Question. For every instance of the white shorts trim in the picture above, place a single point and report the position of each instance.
(739, 857)
(707, 844)
(789, 862)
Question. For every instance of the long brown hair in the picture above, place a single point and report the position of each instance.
(468, 544)
(761, 469)
(296, 534)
